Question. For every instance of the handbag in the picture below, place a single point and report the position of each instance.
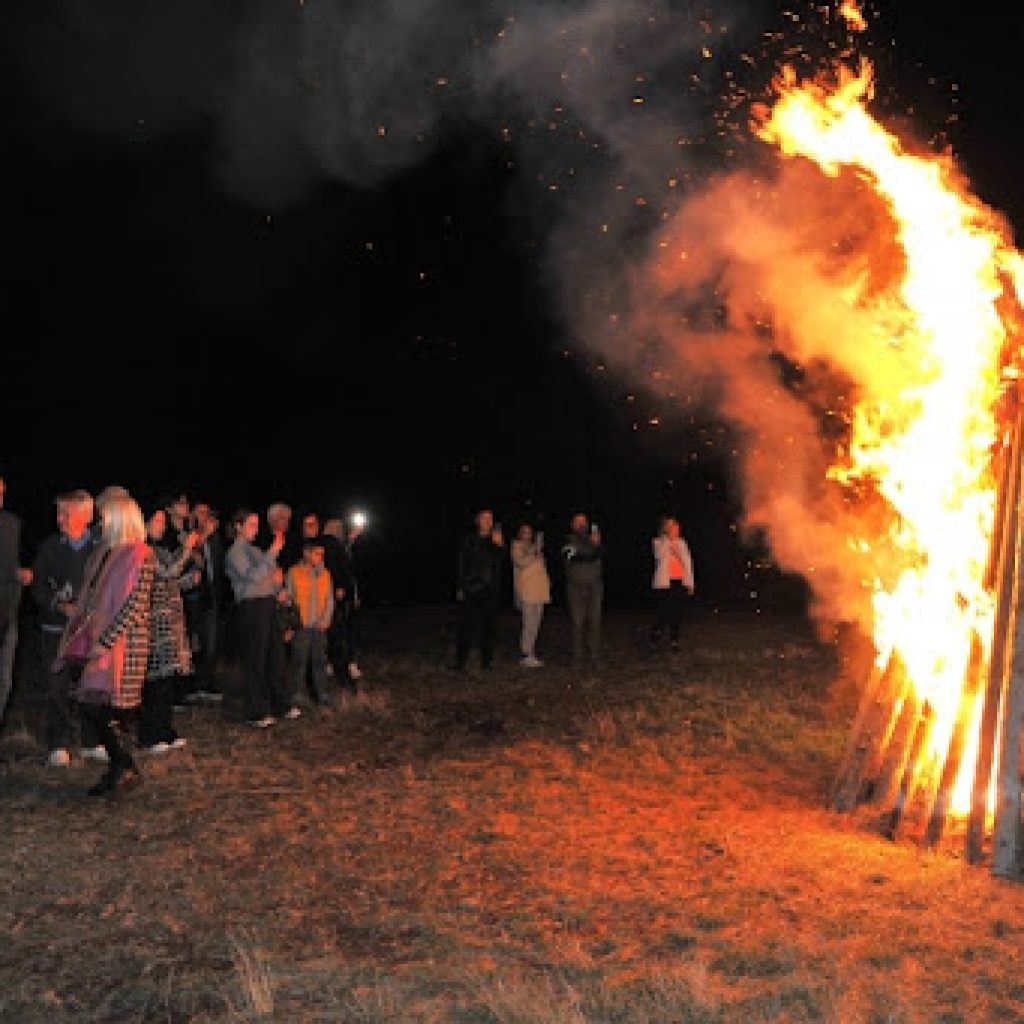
(75, 655)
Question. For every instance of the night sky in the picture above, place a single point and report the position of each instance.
(328, 253)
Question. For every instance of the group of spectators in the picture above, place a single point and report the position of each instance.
(138, 611)
(479, 576)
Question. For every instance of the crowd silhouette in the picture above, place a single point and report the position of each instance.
(141, 608)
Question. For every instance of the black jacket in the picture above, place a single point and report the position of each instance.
(57, 576)
(479, 566)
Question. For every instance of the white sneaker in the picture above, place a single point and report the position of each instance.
(178, 743)
(353, 671)
(159, 748)
(531, 662)
(264, 723)
(59, 758)
(293, 712)
(96, 754)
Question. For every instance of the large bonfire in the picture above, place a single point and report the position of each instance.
(933, 432)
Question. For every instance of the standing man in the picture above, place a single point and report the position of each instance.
(583, 558)
(339, 539)
(211, 597)
(57, 574)
(279, 524)
(12, 578)
(478, 584)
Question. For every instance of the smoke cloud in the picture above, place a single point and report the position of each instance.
(674, 246)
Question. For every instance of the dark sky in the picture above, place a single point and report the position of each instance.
(235, 270)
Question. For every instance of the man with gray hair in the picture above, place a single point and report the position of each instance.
(279, 523)
(57, 574)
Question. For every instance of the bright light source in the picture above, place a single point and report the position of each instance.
(359, 519)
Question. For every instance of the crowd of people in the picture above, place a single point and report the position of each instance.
(479, 575)
(139, 607)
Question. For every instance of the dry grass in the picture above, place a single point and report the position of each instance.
(646, 847)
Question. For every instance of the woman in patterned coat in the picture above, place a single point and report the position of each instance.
(113, 618)
(170, 656)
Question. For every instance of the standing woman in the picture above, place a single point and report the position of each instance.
(531, 588)
(111, 628)
(673, 580)
(256, 581)
(170, 654)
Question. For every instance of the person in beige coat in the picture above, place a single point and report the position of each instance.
(531, 588)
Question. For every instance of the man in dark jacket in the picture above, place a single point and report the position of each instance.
(57, 575)
(339, 539)
(12, 578)
(211, 596)
(583, 557)
(478, 585)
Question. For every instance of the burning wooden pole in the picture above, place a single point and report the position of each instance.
(1006, 837)
(1004, 572)
(849, 782)
(922, 728)
(954, 754)
(887, 760)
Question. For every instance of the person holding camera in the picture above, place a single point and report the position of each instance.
(583, 560)
(478, 584)
(256, 581)
(531, 589)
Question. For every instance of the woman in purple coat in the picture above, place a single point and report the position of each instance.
(106, 642)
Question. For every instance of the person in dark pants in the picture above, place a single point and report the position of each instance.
(673, 580)
(13, 576)
(342, 644)
(256, 581)
(478, 585)
(110, 623)
(57, 573)
(583, 556)
(210, 648)
(170, 655)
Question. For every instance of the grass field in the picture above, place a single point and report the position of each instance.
(647, 845)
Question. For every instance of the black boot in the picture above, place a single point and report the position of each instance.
(116, 780)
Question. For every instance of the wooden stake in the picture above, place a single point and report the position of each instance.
(1006, 836)
(906, 710)
(922, 727)
(1003, 579)
(958, 738)
(847, 783)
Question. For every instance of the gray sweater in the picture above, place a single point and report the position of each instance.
(250, 570)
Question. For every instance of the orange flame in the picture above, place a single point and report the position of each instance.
(851, 12)
(924, 438)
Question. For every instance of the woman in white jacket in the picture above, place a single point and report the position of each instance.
(531, 587)
(673, 580)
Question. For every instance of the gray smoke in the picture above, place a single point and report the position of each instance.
(671, 253)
